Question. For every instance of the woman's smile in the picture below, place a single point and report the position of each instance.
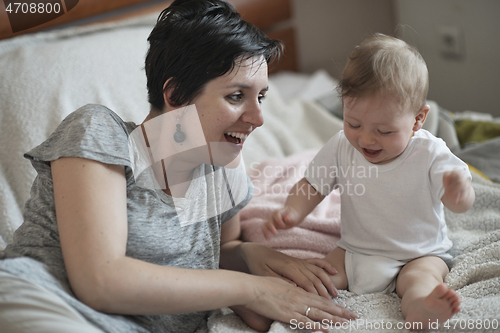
(235, 137)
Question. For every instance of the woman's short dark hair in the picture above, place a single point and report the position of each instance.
(195, 41)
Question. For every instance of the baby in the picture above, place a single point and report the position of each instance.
(394, 178)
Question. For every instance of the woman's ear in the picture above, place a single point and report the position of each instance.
(420, 117)
(167, 94)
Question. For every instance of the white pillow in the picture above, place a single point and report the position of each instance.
(49, 75)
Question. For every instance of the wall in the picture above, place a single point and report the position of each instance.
(470, 83)
(328, 30)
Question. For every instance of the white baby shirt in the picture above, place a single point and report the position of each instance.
(394, 209)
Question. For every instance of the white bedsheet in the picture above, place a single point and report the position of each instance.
(41, 83)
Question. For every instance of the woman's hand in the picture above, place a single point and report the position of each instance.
(312, 275)
(276, 299)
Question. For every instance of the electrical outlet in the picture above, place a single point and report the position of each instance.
(451, 42)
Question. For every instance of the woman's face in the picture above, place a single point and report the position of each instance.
(229, 108)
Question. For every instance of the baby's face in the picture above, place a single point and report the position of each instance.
(377, 127)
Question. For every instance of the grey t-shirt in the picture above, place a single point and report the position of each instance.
(154, 232)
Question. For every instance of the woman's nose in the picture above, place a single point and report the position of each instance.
(253, 114)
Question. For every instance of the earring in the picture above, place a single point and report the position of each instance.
(179, 135)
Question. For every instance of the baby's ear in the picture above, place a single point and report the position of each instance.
(420, 117)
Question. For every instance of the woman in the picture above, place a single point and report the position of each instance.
(113, 243)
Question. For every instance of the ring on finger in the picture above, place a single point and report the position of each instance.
(307, 311)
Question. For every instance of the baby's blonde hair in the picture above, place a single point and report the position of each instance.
(386, 64)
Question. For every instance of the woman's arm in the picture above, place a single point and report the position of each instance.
(90, 199)
(91, 211)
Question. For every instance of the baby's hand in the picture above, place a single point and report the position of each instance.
(455, 184)
(458, 192)
(284, 218)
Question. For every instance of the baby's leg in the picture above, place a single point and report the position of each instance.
(425, 298)
(336, 258)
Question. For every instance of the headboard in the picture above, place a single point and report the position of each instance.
(274, 17)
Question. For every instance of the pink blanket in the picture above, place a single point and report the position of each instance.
(316, 235)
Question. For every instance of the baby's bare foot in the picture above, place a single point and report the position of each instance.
(441, 304)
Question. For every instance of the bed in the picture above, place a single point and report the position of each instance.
(47, 75)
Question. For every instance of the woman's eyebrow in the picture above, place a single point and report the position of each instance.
(246, 86)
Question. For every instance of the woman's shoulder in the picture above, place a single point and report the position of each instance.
(95, 119)
(95, 113)
(92, 131)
